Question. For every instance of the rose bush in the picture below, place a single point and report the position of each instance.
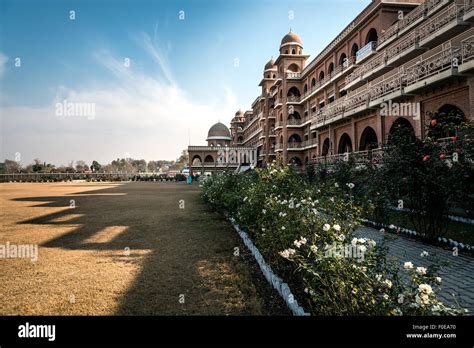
(305, 233)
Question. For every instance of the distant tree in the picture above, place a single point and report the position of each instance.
(152, 166)
(184, 158)
(95, 167)
(81, 166)
(12, 166)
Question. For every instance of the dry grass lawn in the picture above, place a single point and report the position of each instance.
(124, 249)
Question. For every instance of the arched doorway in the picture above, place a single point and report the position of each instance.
(448, 118)
(372, 36)
(345, 144)
(294, 140)
(208, 159)
(196, 161)
(368, 139)
(354, 50)
(402, 123)
(295, 161)
(293, 92)
(325, 147)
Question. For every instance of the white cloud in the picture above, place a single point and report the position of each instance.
(143, 116)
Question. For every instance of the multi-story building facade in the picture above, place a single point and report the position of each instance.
(394, 64)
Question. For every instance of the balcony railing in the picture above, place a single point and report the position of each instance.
(441, 20)
(293, 75)
(366, 51)
(310, 142)
(386, 86)
(467, 49)
(374, 156)
(431, 65)
(278, 146)
(294, 122)
(293, 99)
(295, 145)
(356, 100)
(408, 42)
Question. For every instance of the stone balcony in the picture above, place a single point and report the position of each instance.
(366, 51)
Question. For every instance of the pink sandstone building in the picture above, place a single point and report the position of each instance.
(396, 63)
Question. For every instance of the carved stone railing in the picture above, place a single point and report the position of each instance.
(294, 121)
(356, 100)
(386, 86)
(293, 75)
(431, 65)
(388, 34)
(295, 145)
(441, 20)
(468, 5)
(467, 49)
(366, 50)
(407, 42)
(293, 99)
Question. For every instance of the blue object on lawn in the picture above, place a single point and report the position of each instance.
(190, 179)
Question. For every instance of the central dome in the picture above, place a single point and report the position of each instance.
(219, 131)
(290, 38)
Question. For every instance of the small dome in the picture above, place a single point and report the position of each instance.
(270, 65)
(219, 131)
(291, 37)
(239, 113)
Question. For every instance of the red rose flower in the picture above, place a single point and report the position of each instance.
(426, 158)
(454, 138)
(433, 122)
(442, 157)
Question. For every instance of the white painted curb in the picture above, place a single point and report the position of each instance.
(277, 283)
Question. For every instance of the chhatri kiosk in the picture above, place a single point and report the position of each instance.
(221, 153)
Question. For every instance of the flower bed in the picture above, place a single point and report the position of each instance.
(305, 233)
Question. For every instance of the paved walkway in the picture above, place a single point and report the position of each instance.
(458, 277)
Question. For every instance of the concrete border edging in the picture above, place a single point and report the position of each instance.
(277, 283)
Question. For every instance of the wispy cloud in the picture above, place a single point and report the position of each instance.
(142, 115)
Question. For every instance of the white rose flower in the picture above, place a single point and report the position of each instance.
(350, 185)
(408, 265)
(438, 280)
(314, 248)
(401, 298)
(336, 184)
(425, 288)
(297, 243)
(424, 254)
(326, 227)
(387, 283)
(385, 297)
(337, 228)
(421, 270)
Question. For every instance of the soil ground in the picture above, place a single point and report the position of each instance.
(136, 248)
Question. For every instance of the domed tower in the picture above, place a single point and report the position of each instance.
(270, 70)
(291, 44)
(218, 135)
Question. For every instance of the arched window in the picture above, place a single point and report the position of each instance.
(330, 68)
(293, 68)
(293, 91)
(345, 144)
(313, 82)
(197, 160)
(325, 147)
(293, 51)
(295, 138)
(354, 50)
(305, 88)
(372, 36)
(342, 59)
(321, 76)
(368, 139)
(209, 159)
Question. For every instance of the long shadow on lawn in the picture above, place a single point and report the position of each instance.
(188, 267)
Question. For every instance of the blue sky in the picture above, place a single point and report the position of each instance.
(180, 81)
